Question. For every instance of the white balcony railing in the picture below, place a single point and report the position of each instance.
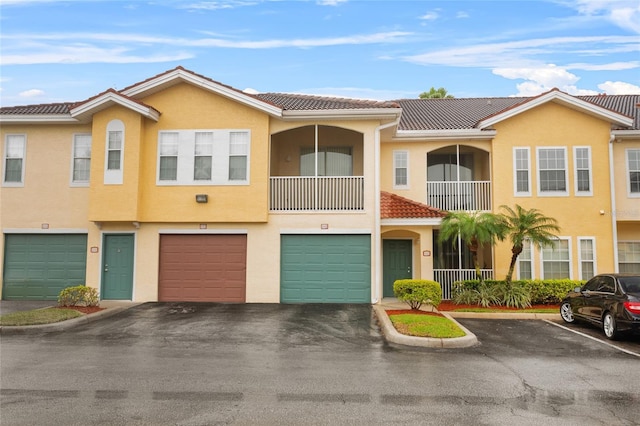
(450, 196)
(446, 278)
(309, 193)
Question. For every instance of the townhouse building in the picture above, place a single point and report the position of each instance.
(181, 188)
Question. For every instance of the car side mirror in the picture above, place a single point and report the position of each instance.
(577, 290)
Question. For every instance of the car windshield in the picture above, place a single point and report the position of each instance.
(630, 284)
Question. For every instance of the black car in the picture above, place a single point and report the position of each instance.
(611, 301)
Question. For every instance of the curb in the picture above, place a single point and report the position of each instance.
(500, 315)
(392, 335)
(62, 325)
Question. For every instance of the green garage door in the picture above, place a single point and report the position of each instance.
(37, 267)
(325, 269)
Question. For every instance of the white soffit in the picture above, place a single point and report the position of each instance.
(87, 109)
(176, 76)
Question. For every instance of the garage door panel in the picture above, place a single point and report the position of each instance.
(38, 267)
(202, 268)
(325, 269)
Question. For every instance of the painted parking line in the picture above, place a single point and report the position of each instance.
(594, 339)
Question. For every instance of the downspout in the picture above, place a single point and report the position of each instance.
(377, 248)
(614, 226)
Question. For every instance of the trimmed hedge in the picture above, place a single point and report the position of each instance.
(541, 292)
(417, 292)
(79, 295)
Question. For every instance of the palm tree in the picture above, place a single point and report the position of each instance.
(531, 225)
(440, 92)
(475, 228)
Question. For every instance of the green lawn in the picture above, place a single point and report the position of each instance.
(38, 316)
(426, 326)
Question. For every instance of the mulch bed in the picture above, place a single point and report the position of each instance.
(83, 309)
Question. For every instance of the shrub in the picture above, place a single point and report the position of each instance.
(539, 292)
(483, 294)
(79, 295)
(417, 292)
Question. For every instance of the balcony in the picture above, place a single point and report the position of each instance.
(456, 195)
(446, 278)
(311, 194)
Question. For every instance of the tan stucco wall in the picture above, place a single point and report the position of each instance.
(554, 125)
(627, 207)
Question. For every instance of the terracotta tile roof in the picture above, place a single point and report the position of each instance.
(393, 206)
(465, 113)
(41, 109)
(297, 102)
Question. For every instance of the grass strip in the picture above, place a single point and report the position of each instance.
(38, 316)
(426, 326)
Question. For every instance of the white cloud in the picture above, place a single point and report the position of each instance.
(622, 13)
(121, 48)
(32, 93)
(523, 52)
(619, 88)
(251, 91)
(331, 2)
(430, 16)
(543, 79)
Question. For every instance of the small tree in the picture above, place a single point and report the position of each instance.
(475, 228)
(522, 224)
(434, 93)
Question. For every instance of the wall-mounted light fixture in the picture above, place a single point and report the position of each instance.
(202, 198)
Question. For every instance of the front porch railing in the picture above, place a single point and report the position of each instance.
(446, 278)
(309, 193)
(450, 196)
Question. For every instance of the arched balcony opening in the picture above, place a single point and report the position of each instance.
(317, 168)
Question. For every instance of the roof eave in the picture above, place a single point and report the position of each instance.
(179, 75)
(626, 134)
(444, 134)
(425, 221)
(564, 99)
(37, 119)
(85, 111)
(389, 114)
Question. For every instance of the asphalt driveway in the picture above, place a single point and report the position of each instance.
(196, 364)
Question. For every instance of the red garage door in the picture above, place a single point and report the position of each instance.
(202, 268)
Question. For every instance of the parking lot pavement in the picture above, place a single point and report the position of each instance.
(630, 342)
(307, 364)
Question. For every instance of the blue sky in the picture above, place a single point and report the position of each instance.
(57, 51)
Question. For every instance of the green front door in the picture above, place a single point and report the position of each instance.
(117, 267)
(396, 255)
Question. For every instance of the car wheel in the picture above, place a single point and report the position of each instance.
(566, 313)
(610, 327)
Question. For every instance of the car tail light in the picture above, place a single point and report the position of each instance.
(633, 307)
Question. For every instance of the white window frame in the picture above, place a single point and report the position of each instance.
(542, 193)
(72, 181)
(623, 258)
(527, 150)
(629, 171)
(576, 168)
(239, 149)
(570, 260)
(6, 158)
(525, 244)
(219, 163)
(114, 176)
(581, 260)
(397, 165)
